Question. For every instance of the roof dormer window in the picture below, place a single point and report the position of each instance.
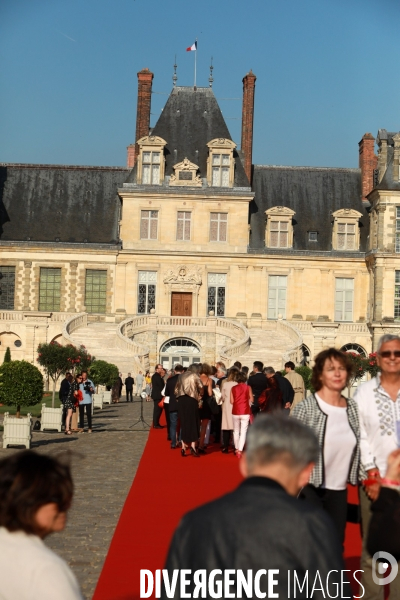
(151, 168)
(151, 162)
(346, 230)
(279, 227)
(220, 163)
(220, 170)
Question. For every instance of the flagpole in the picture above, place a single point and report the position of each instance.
(195, 64)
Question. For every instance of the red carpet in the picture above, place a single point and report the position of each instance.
(165, 487)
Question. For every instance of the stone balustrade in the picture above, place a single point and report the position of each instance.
(77, 320)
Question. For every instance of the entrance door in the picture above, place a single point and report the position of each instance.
(181, 304)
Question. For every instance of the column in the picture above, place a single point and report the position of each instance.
(27, 285)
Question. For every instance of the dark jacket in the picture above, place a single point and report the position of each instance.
(286, 388)
(258, 383)
(170, 391)
(259, 526)
(384, 527)
(157, 386)
(129, 381)
(64, 390)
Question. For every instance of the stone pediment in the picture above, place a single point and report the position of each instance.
(151, 140)
(346, 213)
(282, 211)
(185, 174)
(222, 143)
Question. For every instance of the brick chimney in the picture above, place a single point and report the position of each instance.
(145, 82)
(367, 163)
(246, 146)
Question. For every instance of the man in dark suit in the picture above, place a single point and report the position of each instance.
(173, 404)
(63, 393)
(261, 526)
(157, 386)
(258, 383)
(284, 385)
(129, 381)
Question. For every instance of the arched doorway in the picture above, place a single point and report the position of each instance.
(180, 351)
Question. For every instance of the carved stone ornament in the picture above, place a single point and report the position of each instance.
(184, 274)
(280, 211)
(185, 175)
(347, 213)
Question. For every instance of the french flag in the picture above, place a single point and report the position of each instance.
(192, 47)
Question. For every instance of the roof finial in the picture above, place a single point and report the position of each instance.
(211, 78)
(175, 76)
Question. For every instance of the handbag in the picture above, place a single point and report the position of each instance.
(217, 395)
(214, 406)
(161, 403)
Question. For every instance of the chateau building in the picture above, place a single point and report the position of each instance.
(192, 253)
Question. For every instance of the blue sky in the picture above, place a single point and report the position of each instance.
(327, 72)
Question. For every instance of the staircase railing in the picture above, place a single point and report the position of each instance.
(294, 352)
(79, 320)
(236, 331)
(139, 352)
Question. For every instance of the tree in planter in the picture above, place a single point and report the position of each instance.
(21, 384)
(54, 359)
(7, 355)
(103, 373)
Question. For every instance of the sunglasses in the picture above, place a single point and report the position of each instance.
(389, 354)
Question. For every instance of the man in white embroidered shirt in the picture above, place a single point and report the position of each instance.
(379, 409)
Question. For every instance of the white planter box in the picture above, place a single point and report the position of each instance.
(107, 397)
(98, 400)
(17, 432)
(51, 418)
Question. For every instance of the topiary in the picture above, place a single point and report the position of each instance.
(21, 384)
(7, 355)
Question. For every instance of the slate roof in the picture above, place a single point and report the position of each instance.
(314, 194)
(73, 204)
(190, 119)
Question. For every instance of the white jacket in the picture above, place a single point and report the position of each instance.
(378, 415)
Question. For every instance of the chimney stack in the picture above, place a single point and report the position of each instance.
(145, 82)
(367, 163)
(246, 146)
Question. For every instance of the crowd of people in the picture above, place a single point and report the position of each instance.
(298, 455)
(203, 402)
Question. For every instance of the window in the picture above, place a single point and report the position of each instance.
(7, 288)
(50, 289)
(313, 236)
(218, 227)
(220, 170)
(147, 291)
(344, 299)
(346, 236)
(148, 224)
(279, 227)
(151, 168)
(397, 243)
(96, 291)
(183, 225)
(277, 285)
(279, 234)
(220, 164)
(216, 293)
(346, 230)
(397, 296)
(151, 163)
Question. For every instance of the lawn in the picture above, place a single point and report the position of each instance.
(36, 409)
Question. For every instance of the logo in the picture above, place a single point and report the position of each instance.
(382, 568)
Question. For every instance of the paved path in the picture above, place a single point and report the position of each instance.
(104, 464)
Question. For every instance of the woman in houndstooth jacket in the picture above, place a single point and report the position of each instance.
(334, 419)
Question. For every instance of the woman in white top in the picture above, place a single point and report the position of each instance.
(35, 495)
(334, 419)
(227, 422)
